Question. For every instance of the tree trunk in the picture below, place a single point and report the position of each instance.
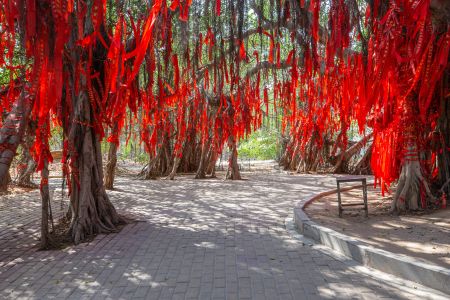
(201, 171)
(233, 172)
(212, 166)
(176, 163)
(27, 163)
(363, 166)
(284, 156)
(315, 164)
(11, 135)
(344, 157)
(292, 157)
(184, 163)
(212, 160)
(91, 211)
(149, 171)
(5, 182)
(443, 156)
(45, 198)
(301, 167)
(407, 195)
(111, 166)
(29, 166)
(166, 166)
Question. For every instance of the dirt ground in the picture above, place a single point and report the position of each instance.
(424, 235)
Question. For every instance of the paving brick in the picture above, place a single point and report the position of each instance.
(200, 240)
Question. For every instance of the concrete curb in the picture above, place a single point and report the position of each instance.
(397, 264)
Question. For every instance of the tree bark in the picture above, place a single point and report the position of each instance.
(407, 195)
(212, 160)
(201, 171)
(165, 163)
(363, 166)
(233, 172)
(91, 211)
(343, 158)
(111, 166)
(45, 198)
(443, 156)
(5, 182)
(27, 163)
(11, 135)
(150, 170)
(176, 164)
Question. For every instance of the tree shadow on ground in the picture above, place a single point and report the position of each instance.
(207, 239)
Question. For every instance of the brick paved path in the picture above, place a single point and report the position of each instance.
(196, 239)
(20, 224)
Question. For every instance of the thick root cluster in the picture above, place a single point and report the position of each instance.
(407, 196)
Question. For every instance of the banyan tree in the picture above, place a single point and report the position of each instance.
(195, 77)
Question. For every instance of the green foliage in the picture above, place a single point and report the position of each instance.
(131, 150)
(56, 137)
(262, 144)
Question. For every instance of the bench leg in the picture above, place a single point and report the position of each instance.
(365, 198)
(339, 200)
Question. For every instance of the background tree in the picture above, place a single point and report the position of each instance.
(199, 76)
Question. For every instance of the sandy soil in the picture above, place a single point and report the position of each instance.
(424, 235)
